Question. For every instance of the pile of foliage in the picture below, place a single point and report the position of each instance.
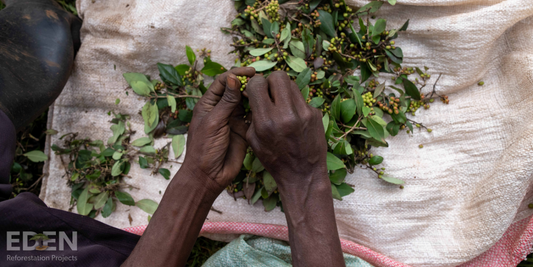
(322, 44)
(335, 66)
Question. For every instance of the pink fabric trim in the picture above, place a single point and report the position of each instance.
(512, 248)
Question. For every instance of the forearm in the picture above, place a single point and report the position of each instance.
(173, 229)
(313, 232)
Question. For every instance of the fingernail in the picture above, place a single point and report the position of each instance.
(232, 82)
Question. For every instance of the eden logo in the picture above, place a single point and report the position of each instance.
(48, 240)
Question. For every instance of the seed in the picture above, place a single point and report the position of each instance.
(401, 186)
(420, 146)
(481, 83)
(530, 206)
(429, 130)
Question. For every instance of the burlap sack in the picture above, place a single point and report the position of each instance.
(469, 184)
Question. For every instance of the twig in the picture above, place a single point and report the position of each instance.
(351, 129)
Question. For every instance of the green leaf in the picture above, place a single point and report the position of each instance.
(178, 145)
(393, 57)
(338, 176)
(141, 141)
(148, 149)
(270, 202)
(237, 22)
(172, 103)
(333, 162)
(365, 72)
(148, 205)
(335, 193)
(257, 195)
(297, 64)
(411, 89)
(347, 110)
(274, 28)
(309, 42)
(257, 166)
(409, 125)
(327, 25)
(325, 121)
(125, 198)
(270, 183)
(182, 68)
(286, 35)
(336, 108)
(260, 51)
(375, 129)
(84, 208)
(190, 54)
(393, 128)
(404, 27)
(262, 65)
(392, 180)
(212, 68)
(165, 173)
(320, 74)
(51, 132)
(344, 189)
(267, 27)
(379, 27)
(36, 156)
(101, 199)
(305, 93)
(317, 102)
(248, 160)
(397, 52)
(371, 7)
(150, 114)
(303, 78)
(399, 118)
(379, 89)
(359, 102)
(109, 207)
(139, 83)
(314, 4)
(143, 163)
(117, 169)
(375, 160)
(297, 49)
(169, 75)
(117, 155)
(118, 130)
(392, 2)
(257, 28)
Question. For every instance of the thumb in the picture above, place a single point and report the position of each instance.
(230, 100)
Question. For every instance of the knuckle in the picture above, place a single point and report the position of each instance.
(230, 98)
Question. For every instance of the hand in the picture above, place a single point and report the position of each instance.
(286, 134)
(216, 142)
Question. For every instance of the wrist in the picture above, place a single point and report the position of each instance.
(315, 179)
(299, 192)
(192, 179)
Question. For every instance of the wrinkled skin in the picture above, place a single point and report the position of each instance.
(286, 134)
(218, 129)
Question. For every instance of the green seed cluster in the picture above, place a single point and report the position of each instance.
(368, 99)
(244, 81)
(273, 10)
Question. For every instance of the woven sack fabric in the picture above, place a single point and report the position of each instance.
(467, 191)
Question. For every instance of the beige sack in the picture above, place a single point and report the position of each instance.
(468, 184)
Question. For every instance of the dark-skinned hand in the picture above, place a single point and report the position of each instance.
(216, 142)
(286, 134)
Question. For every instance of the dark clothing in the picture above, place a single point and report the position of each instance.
(92, 243)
